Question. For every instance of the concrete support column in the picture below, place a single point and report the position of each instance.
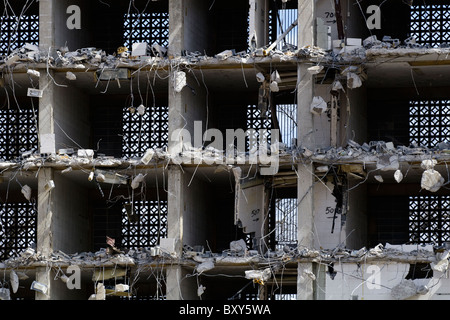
(306, 36)
(259, 22)
(306, 23)
(44, 229)
(176, 27)
(46, 24)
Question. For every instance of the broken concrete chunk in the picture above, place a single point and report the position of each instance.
(137, 180)
(148, 156)
(34, 73)
(398, 176)
(315, 69)
(258, 275)
(5, 294)
(431, 180)
(26, 191)
(139, 49)
(205, 266)
(379, 178)
(180, 80)
(85, 153)
(274, 86)
(40, 287)
(14, 280)
(318, 105)
(441, 266)
(260, 77)
(71, 76)
(141, 110)
(275, 76)
(200, 290)
(404, 290)
(428, 164)
(224, 54)
(238, 246)
(353, 80)
(35, 93)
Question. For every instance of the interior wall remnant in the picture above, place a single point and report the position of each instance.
(251, 206)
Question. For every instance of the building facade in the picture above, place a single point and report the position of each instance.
(227, 150)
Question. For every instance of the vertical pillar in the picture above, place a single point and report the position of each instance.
(44, 230)
(46, 132)
(258, 23)
(305, 199)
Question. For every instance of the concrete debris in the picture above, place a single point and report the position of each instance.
(40, 287)
(238, 246)
(431, 179)
(379, 178)
(14, 280)
(200, 290)
(26, 191)
(404, 290)
(318, 105)
(180, 80)
(137, 180)
(353, 80)
(34, 73)
(259, 276)
(205, 266)
(260, 77)
(398, 176)
(315, 69)
(71, 76)
(5, 294)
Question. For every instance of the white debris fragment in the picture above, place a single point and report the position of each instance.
(85, 153)
(258, 275)
(122, 287)
(224, 55)
(139, 49)
(379, 178)
(260, 77)
(238, 246)
(40, 287)
(34, 73)
(443, 263)
(14, 280)
(398, 176)
(205, 266)
(431, 180)
(315, 69)
(5, 294)
(26, 191)
(200, 290)
(71, 76)
(275, 76)
(353, 80)
(428, 164)
(404, 290)
(274, 86)
(180, 80)
(148, 156)
(377, 251)
(137, 180)
(35, 93)
(318, 105)
(141, 110)
(337, 85)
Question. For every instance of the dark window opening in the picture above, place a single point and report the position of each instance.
(18, 223)
(419, 271)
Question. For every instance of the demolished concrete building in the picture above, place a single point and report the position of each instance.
(117, 181)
